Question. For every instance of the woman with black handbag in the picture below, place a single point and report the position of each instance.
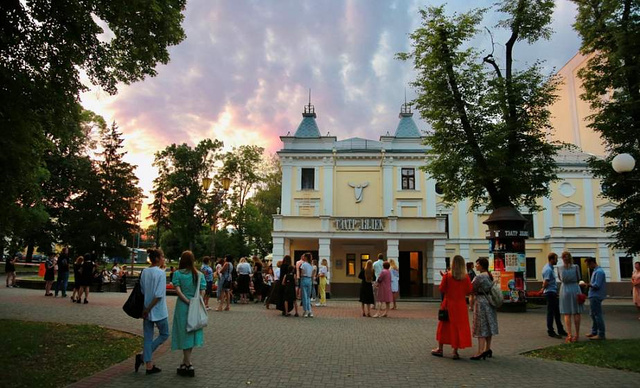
(453, 325)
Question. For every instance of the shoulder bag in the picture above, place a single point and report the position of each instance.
(197, 317)
(443, 313)
(135, 303)
(580, 296)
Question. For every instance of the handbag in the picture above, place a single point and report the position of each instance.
(581, 298)
(197, 317)
(443, 315)
(135, 302)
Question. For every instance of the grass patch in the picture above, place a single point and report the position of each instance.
(614, 354)
(41, 354)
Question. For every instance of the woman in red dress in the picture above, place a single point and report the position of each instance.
(455, 331)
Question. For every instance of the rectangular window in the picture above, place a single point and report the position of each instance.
(626, 267)
(351, 264)
(529, 225)
(308, 179)
(363, 260)
(531, 268)
(408, 178)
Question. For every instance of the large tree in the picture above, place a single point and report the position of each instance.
(610, 31)
(45, 46)
(489, 118)
(181, 169)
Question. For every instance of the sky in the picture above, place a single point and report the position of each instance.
(244, 72)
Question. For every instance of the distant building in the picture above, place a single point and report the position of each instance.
(348, 200)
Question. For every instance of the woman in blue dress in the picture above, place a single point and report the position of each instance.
(224, 284)
(569, 275)
(185, 280)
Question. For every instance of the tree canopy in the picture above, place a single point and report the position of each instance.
(45, 47)
(610, 32)
(489, 119)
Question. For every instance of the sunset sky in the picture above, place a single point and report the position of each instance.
(242, 74)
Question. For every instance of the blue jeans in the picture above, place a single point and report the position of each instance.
(150, 344)
(62, 283)
(597, 317)
(305, 284)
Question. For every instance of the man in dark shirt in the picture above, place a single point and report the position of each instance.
(63, 272)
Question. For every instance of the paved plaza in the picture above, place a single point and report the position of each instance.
(251, 346)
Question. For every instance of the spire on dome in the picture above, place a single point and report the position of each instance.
(308, 126)
(406, 127)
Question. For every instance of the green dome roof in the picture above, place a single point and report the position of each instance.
(308, 127)
(407, 127)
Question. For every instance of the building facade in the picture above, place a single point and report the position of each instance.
(348, 200)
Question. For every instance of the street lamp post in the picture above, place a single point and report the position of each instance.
(137, 207)
(218, 195)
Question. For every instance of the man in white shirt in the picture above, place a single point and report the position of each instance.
(306, 272)
(153, 283)
(377, 269)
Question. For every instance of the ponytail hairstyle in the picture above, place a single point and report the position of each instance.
(154, 255)
(187, 263)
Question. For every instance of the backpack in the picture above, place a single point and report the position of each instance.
(495, 295)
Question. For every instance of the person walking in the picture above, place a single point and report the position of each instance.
(569, 290)
(288, 292)
(306, 272)
(635, 281)
(63, 273)
(186, 280)
(550, 292)
(485, 318)
(395, 282)
(153, 284)
(280, 287)
(86, 277)
(454, 331)
(323, 272)
(77, 279)
(597, 293)
(10, 269)
(366, 288)
(207, 271)
(377, 269)
(314, 281)
(49, 274)
(244, 280)
(258, 280)
(224, 284)
(384, 290)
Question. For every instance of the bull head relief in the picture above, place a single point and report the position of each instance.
(359, 188)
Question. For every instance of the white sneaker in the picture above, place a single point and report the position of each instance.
(318, 305)
(324, 305)
(304, 315)
(310, 315)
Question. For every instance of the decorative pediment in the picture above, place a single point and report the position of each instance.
(569, 208)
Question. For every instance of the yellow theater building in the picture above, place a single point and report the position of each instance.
(348, 200)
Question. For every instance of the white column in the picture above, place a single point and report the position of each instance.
(287, 187)
(604, 261)
(436, 262)
(589, 210)
(324, 252)
(327, 188)
(387, 188)
(462, 219)
(430, 197)
(392, 251)
(278, 250)
(548, 219)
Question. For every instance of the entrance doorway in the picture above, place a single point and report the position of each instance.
(297, 255)
(411, 274)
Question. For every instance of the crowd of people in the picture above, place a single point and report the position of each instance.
(465, 287)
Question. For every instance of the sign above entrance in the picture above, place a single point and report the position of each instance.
(363, 224)
(500, 233)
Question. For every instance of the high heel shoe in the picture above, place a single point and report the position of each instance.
(489, 353)
(481, 356)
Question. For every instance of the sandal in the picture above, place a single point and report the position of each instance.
(568, 339)
(436, 352)
(456, 356)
